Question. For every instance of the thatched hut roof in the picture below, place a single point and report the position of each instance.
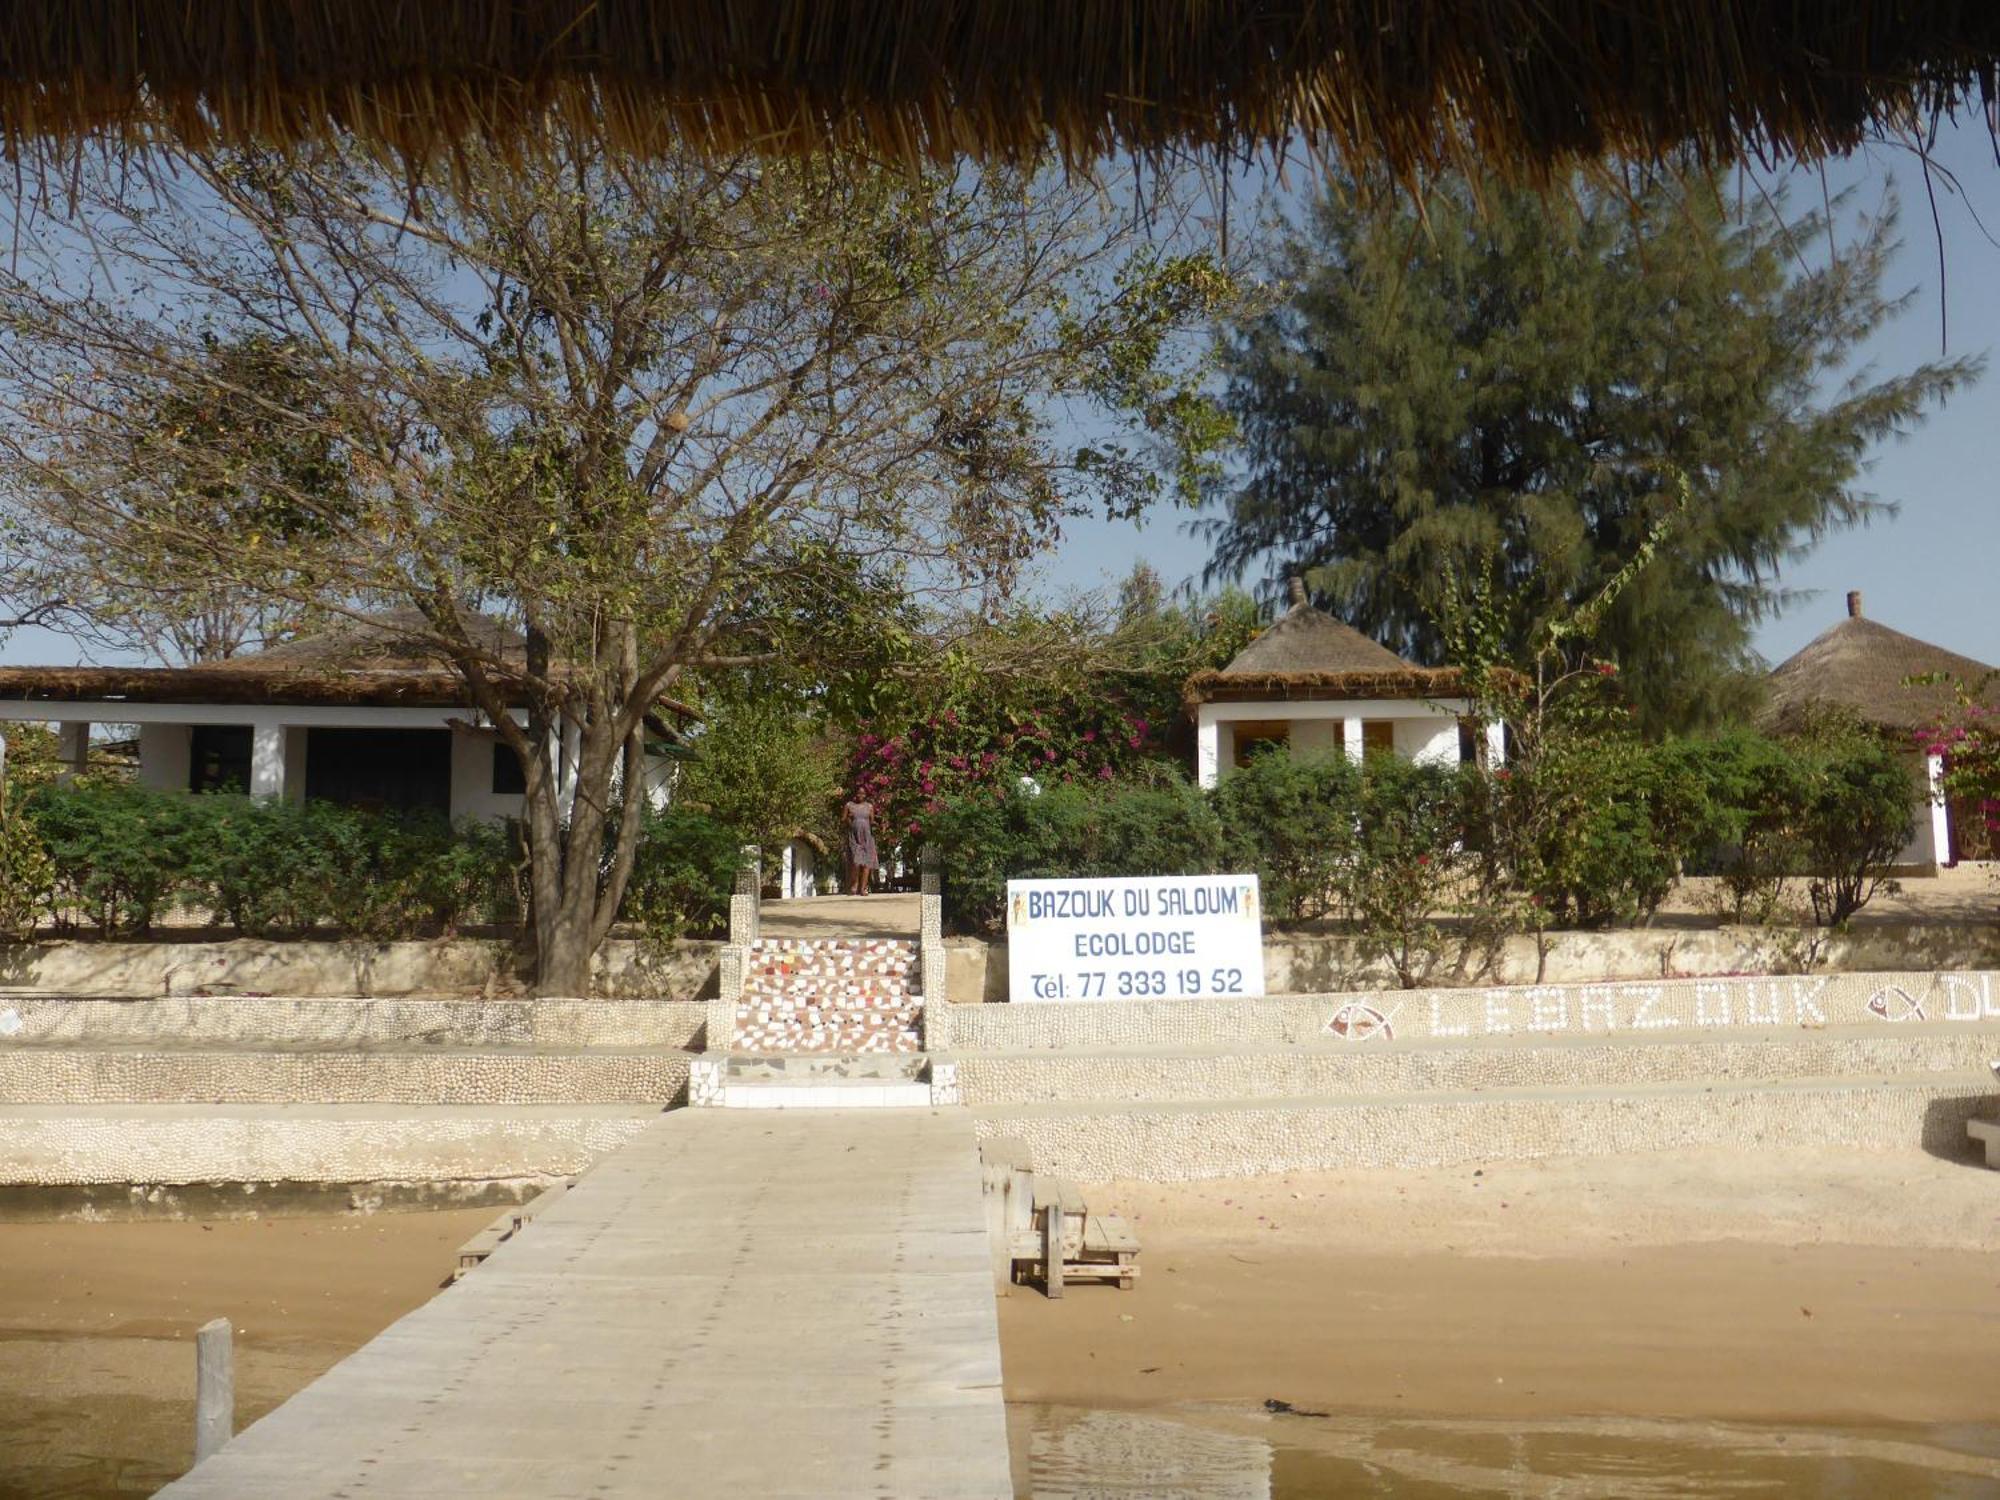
(1522, 84)
(390, 640)
(1308, 654)
(1864, 667)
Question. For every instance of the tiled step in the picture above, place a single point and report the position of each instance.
(827, 1067)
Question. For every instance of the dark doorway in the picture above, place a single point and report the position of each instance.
(219, 758)
(403, 769)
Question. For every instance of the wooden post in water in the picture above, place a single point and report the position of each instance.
(1052, 1250)
(214, 1388)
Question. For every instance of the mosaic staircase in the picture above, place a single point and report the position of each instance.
(824, 1023)
(829, 995)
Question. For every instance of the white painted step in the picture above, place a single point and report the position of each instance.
(827, 1093)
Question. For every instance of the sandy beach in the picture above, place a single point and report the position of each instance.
(1796, 1287)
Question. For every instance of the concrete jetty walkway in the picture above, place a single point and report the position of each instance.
(736, 1303)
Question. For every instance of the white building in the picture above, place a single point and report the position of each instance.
(359, 715)
(1318, 686)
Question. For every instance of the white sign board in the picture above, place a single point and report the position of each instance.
(1174, 937)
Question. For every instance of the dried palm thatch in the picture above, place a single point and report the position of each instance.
(1865, 668)
(1427, 684)
(1405, 84)
(295, 685)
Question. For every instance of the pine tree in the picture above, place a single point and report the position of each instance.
(1509, 386)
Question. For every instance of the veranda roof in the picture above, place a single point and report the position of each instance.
(1524, 85)
(375, 660)
(1863, 666)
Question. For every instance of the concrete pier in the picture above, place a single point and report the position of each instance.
(755, 1304)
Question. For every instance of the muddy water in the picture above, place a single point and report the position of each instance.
(1222, 1453)
(97, 1328)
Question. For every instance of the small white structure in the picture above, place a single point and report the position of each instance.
(356, 715)
(1318, 686)
(1866, 669)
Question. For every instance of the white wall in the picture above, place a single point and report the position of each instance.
(1930, 845)
(472, 794)
(1430, 742)
(1425, 730)
(164, 754)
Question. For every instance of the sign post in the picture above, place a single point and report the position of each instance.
(1161, 937)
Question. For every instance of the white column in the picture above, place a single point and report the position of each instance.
(1940, 813)
(1496, 745)
(267, 760)
(73, 748)
(1207, 757)
(1350, 734)
(572, 753)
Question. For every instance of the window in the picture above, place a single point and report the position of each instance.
(1255, 736)
(1378, 738)
(509, 779)
(404, 769)
(1468, 743)
(219, 758)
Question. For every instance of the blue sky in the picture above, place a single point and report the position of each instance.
(1933, 570)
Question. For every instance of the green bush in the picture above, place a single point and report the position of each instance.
(121, 855)
(1597, 828)
(1409, 857)
(117, 853)
(1754, 787)
(683, 874)
(27, 875)
(1293, 820)
(1857, 813)
(1082, 829)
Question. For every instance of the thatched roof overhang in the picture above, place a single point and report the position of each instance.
(398, 689)
(1523, 85)
(1426, 684)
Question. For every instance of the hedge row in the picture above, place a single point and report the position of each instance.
(1595, 835)
(115, 859)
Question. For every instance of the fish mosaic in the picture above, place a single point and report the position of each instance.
(1894, 1003)
(1356, 1022)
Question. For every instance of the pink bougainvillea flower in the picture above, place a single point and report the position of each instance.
(1104, 773)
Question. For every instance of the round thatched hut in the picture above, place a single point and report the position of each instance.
(1319, 686)
(1901, 686)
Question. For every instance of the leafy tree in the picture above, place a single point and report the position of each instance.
(630, 409)
(765, 766)
(1492, 377)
